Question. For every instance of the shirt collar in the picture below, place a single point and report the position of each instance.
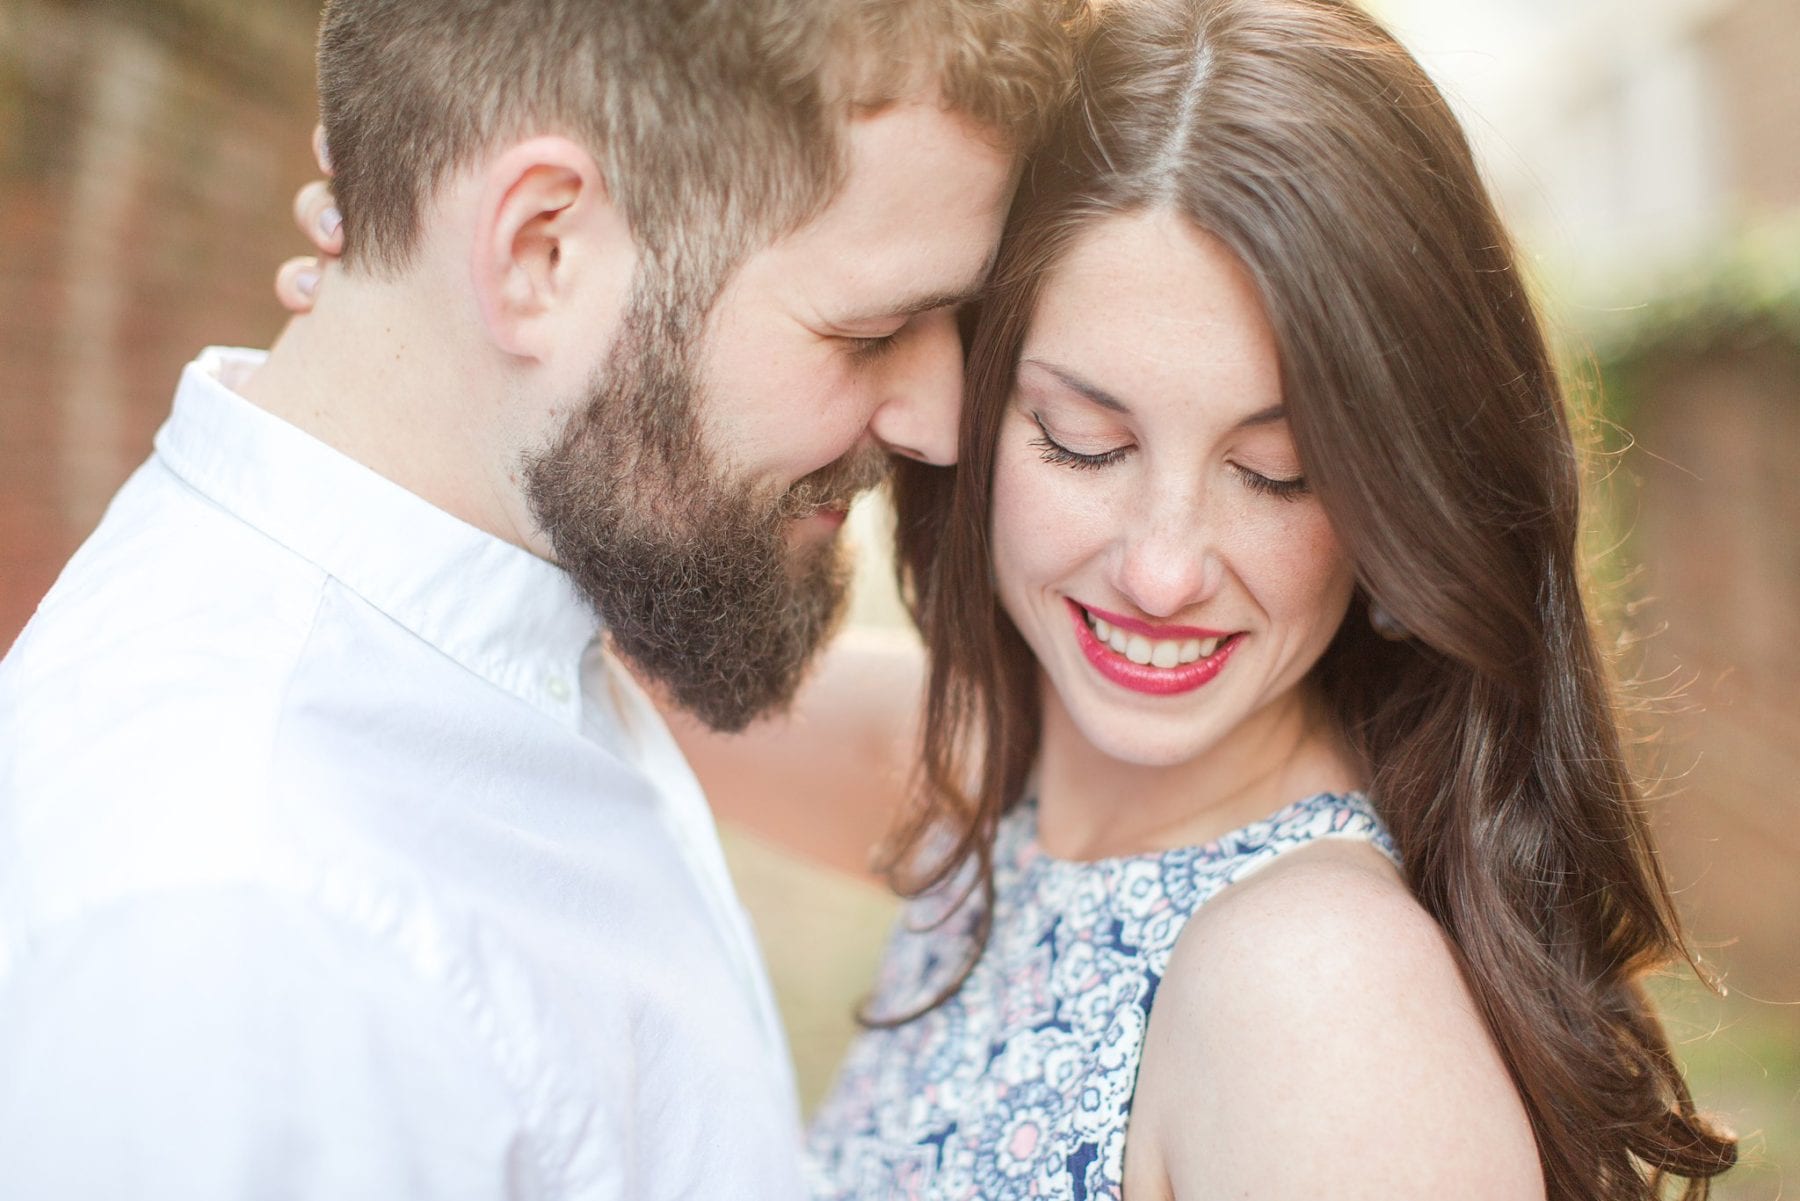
(510, 617)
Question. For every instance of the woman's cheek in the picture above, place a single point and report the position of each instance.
(1038, 522)
(1304, 561)
(1017, 516)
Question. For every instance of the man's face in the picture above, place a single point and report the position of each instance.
(697, 494)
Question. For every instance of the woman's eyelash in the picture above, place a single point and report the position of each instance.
(1292, 489)
(1052, 451)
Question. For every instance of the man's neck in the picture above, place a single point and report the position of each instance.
(401, 395)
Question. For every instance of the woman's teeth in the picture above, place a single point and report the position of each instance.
(1152, 652)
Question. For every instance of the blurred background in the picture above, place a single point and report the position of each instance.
(1647, 153)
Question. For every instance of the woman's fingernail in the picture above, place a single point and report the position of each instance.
(307, 282)
(330, 219)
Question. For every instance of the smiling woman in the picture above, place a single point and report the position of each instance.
(1359, 899)
(1143, 480)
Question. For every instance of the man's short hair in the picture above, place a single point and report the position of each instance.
(718, 123)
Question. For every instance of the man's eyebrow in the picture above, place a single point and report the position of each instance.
(925, 302)
(941, 300)
(912, 306)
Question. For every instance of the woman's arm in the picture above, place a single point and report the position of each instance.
(1314, 1038)
(824, 780)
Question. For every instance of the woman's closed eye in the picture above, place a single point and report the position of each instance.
(1052, 451)
(1291, 488)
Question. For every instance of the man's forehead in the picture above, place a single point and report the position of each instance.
(918, 220)
(919, 172)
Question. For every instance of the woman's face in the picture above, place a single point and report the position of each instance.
(1154, 539)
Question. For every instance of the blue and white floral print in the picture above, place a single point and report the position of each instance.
(1019, 1086)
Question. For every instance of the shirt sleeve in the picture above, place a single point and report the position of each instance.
(228, 1045)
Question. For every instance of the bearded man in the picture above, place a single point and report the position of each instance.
(337, 857)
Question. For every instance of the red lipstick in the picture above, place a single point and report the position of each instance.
(1141, 677)
(1133, 626)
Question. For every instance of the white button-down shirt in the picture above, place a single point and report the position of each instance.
(337, 861)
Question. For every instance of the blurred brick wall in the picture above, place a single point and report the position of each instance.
(1718, 533)
(1717, 517)
(148, 151)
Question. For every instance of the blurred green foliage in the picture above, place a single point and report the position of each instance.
(1738, 295)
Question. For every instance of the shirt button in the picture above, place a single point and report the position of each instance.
(558, 688)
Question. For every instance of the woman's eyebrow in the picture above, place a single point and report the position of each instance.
(1107, 400)
(1092, 391)
(1268, 416)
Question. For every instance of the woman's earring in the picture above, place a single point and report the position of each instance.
(1385, 624)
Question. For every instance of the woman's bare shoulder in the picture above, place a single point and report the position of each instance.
(1314, 1035)
(1336, 906)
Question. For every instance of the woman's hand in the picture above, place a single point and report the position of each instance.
(316, 213)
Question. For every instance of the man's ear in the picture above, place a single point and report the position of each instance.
(551, 251)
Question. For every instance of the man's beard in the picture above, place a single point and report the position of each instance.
(691, 571)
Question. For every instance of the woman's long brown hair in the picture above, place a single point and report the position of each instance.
(1431, 425)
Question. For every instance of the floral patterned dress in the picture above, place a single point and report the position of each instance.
(1020, 1085)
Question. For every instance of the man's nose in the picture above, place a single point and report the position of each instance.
(921, 405)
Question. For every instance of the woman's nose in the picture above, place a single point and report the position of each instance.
(1169, 562)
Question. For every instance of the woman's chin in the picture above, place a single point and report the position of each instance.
(1137, 740)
